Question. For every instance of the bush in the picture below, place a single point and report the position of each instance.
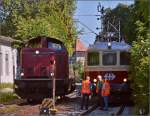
(78, 71)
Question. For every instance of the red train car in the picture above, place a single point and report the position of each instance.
(37, 62)
(110, 60)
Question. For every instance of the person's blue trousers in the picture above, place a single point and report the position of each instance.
(105, 102)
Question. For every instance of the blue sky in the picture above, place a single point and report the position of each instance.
(89, 7)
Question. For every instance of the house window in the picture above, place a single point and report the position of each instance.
(7, 64)
(93, 58)
(109, 58)
(1, 65)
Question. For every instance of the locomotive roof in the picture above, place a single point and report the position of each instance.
(44, 37)
(114, 46)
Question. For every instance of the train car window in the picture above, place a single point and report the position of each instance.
(55, 46)
(109, 58)
(124, 58)
(93, 58)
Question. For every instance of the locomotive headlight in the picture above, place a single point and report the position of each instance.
(52, 74)
(95, 80)
(124, 80)
(109, 45)
(22, 74)
(37, 52)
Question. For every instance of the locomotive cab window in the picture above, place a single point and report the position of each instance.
(93, 58)
(124, 58)
(109, 58)
(35, 43)
(55, 46)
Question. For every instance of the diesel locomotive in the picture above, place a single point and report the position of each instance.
(42, 59)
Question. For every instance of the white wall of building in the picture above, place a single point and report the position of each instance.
(8, 61)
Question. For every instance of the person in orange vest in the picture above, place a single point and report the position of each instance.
(86, 91)
(105, 93)
(98, 91)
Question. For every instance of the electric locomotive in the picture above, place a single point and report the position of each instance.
(111, 60)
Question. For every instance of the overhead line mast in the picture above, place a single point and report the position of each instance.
(106, 30)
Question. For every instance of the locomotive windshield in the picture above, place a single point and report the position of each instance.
(124, 58)
(93, 58)
(55, 46)
(109, 58)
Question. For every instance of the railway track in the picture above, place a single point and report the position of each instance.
(68, 106)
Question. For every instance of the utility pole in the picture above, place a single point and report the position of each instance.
(100, 9)
(119, 30)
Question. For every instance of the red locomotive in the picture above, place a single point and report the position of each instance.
(37, 62)
(110, 60)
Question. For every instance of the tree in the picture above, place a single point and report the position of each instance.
(124, 13)
(24, 19)
(78, 71)
(140, 55)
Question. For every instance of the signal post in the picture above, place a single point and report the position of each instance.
(53, 109)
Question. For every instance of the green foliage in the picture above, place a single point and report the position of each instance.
(140, 74)
(32, 28)
(24, 19)
(78, 71)
(124, 13)
(140, 64)
(6, 97)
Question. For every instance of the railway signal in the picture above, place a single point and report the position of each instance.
(52, 74)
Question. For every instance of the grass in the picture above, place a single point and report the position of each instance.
(7, 97)
(6, 85)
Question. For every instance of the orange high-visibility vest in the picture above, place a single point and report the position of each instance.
(105, 89)
(85, 87)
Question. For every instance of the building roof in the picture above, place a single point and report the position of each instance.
(6, 39)
(80, 47)
(114, 46)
